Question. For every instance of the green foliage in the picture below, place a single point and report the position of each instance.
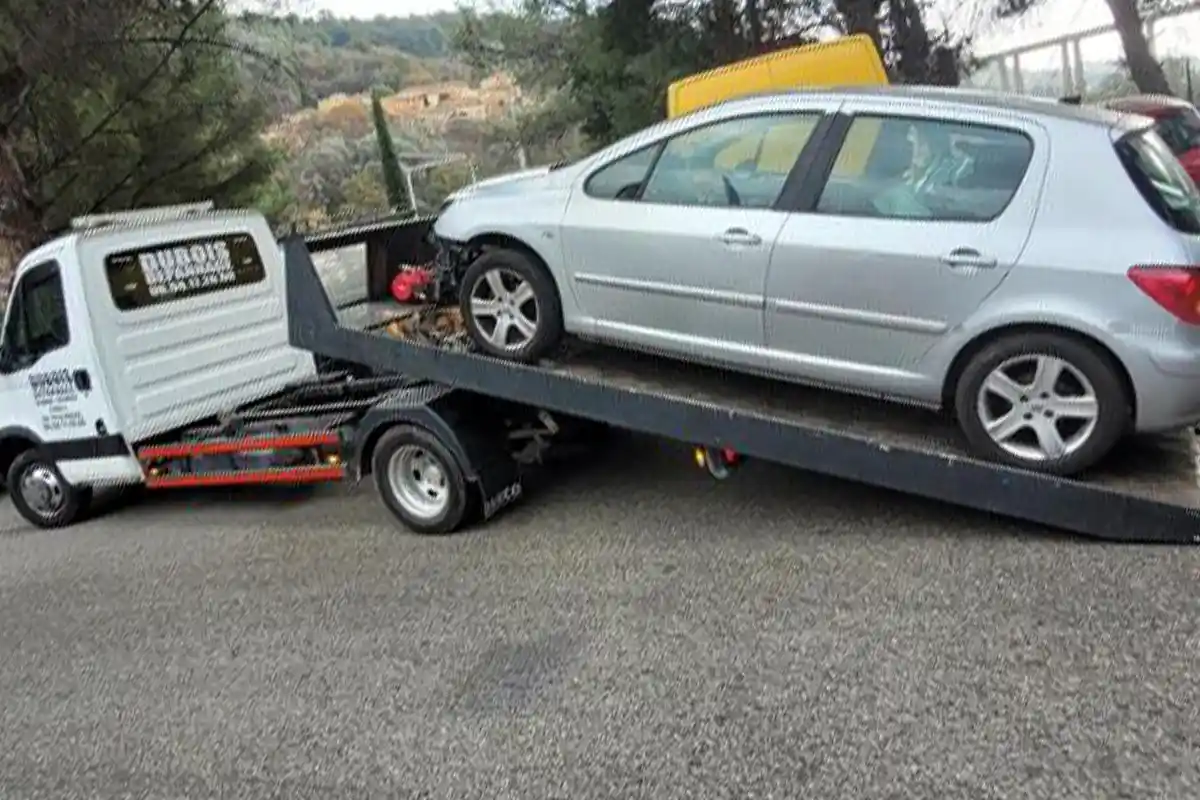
(421, 36)
(606, 66)
(153, 109)
(393, 178)
(328, 55)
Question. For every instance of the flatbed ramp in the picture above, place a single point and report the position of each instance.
(1148, 491)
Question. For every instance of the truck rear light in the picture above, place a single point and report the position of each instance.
(1176, 289)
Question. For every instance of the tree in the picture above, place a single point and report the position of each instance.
(364, 191)
(393, 178)
(606, 66)
(1147, 73)
(151, 107)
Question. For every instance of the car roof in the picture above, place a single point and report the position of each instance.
(973, 98)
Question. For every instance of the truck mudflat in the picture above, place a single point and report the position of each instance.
(1146, 492)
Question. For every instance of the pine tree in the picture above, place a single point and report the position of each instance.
(393, 178)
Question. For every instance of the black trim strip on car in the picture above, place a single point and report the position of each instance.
(109, 446)
(802, 196)
(807, 176)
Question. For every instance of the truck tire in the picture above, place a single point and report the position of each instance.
(42, 495)
(420, 481)
(511, 307)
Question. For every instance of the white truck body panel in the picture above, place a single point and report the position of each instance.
(193, 322)
(173, 363)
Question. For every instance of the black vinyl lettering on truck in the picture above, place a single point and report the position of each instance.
(55, 395)
(177, 270)
(52, 388)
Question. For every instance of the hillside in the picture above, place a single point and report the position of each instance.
(323, 128)
(332, 56)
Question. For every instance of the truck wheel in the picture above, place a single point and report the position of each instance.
(510, 306)
(420, 481)
(1045, 402)
(41, 493)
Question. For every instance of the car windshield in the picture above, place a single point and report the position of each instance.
(1180, 130)
(1161, 179)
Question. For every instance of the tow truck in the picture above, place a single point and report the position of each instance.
(186, 348)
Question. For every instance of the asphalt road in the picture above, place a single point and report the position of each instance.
(632, 631)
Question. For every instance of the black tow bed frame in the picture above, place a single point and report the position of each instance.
(1153, 496)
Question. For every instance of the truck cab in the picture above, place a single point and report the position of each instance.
(125, 330)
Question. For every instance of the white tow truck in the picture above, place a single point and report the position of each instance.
(151, 348)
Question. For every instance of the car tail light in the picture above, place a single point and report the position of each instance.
(1177, 289)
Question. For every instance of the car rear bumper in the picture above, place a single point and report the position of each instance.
(1168, 392)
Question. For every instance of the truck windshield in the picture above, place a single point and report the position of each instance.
(1161, 179)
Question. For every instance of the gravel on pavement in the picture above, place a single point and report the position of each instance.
(631, 630)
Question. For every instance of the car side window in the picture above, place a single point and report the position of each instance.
(926, 170)
(738, 163)
(623, 178)
(37, 320)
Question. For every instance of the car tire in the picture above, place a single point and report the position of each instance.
(1089, 378)
(42, 495)
(511, 271)
(420, 481)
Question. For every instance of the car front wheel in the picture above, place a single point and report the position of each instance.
(1044, 402)
(510, 306)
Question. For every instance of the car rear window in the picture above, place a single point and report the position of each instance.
(1161, 179)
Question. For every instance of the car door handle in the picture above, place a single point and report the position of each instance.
(740, 236)
(968, 257)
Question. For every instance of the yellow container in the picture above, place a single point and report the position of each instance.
(849, 61)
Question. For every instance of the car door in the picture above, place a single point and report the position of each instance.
(49, 372)
(925, 210)
(668, 246)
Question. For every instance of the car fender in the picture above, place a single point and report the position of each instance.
(1071, 314)
(534, 221)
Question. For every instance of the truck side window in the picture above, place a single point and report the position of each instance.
(37, 320)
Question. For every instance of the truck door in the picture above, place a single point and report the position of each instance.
(50, 382)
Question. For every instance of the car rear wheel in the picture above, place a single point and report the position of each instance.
(1044, 402)
(510, 306)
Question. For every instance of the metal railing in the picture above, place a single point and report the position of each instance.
(1007, 63)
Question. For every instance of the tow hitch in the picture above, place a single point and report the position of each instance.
(719, 461)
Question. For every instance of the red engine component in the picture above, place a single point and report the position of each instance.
(408, 284)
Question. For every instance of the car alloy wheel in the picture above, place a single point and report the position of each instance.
(505, 309)
(1038, 407)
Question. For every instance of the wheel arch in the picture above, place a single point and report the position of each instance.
(988, 337)
(504, 241)
(13, 442)
(377, 424)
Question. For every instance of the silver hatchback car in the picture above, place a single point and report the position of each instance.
(1029, 266)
